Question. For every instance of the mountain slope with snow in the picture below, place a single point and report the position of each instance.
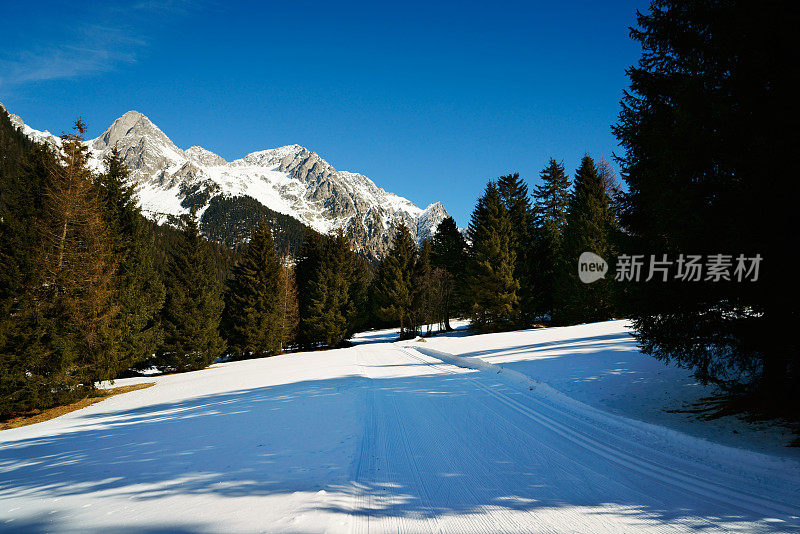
(291, 180)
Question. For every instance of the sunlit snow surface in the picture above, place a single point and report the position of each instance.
(395, 437)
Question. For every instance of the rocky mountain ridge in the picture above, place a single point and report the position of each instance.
(291, 180)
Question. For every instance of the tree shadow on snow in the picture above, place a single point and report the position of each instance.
(306, 437)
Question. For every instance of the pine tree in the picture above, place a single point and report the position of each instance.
(551, 200)
(613, 188)
(73, 308)
(709, 132)
(307, 270)
(25, 170)
(422, 289)
(359, 313)
(193, 305)
(24, 173)
(138, 289)
(325, 274)
(490, 274)
(514, 192)
(394, 290)
(449, 254)
(254, 311)
(290, 311)
(589, 228)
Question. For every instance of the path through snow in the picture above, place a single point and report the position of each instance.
(376, 438)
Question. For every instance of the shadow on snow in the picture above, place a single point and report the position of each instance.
(305, 437)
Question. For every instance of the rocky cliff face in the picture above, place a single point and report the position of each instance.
(291, 180)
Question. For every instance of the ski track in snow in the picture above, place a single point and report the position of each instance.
(379, 437)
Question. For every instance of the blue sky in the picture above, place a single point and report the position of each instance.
(429, 99)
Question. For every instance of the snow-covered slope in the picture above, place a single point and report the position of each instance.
(291, 180)
(388, 437)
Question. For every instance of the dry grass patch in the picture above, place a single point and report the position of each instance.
(51, 413)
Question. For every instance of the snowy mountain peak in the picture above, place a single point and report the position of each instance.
(290, 179)
(429, 220)
(131, 124)
(143, 146)
(436, 207)
(273, 156)
(202, 156)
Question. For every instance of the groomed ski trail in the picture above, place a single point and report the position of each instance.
(470, 457)
(379, 437)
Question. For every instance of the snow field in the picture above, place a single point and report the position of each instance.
(386, 437)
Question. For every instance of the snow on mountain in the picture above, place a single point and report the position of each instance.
(290, 179)
(428, 221)
(36, 135)
(202, 156)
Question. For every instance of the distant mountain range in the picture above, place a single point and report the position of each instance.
(290, 180)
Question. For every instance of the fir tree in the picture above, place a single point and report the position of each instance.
(709, 132)
(307, 270)
(490, 276)
(394, 290)
(254, 307)
(514, 192)
(361, 277)
(325, 278)
(138, 289)
(289, 304)
(193, 305)
(449, 254)
(25, 171)
(589, 228)
(551, 200)
(422, 289)
(73, 310)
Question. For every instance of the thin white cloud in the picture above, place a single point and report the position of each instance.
(97, 50)
(87, 48)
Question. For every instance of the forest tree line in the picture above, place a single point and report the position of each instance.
(93, 290)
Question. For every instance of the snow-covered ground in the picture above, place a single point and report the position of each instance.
(394, 437)
(599, 364)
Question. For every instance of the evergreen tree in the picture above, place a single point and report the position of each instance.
(72, 310)
(325, 274)
(25, 170)
(193, 305)
(709, 132)
(254, 307)
(589, 228)
(551, 200)
(359, 315)
(24, 173)
(138, 290)
(307, 270)
(290, 312)
(422, 289)
(514, 192)
(490, 275)
(613, 189)
(394, 290)
(449, 254)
